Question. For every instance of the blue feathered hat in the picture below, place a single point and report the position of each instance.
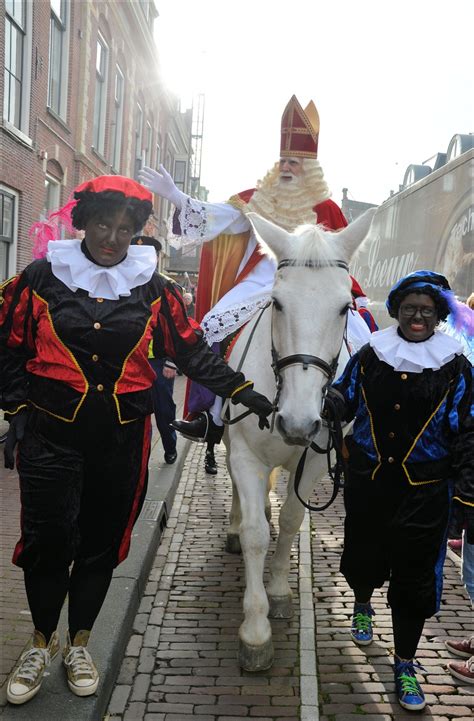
(461, 317)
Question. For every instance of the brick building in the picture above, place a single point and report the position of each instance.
(82, 95)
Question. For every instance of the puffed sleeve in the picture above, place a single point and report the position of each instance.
(181, 339)
(348, 386)
(16, 342)
(462, 431)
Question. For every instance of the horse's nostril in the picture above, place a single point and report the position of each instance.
(316, 428)
(280, 424)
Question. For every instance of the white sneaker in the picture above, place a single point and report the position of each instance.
(82, 675)
(26, 678)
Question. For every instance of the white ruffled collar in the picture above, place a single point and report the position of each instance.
(402, 355)
(75, 270)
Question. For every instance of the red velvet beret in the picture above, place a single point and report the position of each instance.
(130, 188)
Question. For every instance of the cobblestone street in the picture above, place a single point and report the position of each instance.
(180, 664)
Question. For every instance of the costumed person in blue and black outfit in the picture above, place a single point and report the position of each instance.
(75, 383)
(409, 391)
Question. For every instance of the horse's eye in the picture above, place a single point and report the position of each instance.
(277, 304)
(346, 309)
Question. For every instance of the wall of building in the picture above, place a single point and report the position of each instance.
(44, 154)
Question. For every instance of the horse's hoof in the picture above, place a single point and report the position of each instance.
(280, 607)
(232, 544)
(255, 658)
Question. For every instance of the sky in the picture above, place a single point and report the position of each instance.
(392, 82)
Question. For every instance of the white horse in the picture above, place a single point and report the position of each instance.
(311, 298)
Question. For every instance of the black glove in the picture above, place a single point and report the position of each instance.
(257, 403)
(469, 523)
(14, 435)
(335, 399)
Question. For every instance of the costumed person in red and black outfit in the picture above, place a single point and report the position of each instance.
(410, 392)
(235, 278)
(76, 386)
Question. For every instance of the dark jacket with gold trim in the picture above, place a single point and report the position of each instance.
(416, 425)
(57, 347)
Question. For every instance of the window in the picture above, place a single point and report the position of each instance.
(138, 138)
(100, 95)
(117, 122)
(58, 56)
(15, 31)
(149, 145)
(180, 174)
(52, 195)
(7, 222)
(158, 153)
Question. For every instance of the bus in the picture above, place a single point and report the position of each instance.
(429, 224)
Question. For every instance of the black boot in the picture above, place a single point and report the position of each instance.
(210, 465)
(201, 428)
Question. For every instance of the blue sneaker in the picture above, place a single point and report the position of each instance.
(409, 692)
(361, 629)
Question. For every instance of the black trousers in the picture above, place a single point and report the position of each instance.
(164, 405)
(82, 488)
(396, 532)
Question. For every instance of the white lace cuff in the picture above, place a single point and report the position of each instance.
(217, 326)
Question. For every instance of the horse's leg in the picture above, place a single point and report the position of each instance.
(232, 544)
(291, 517)
(250, 476)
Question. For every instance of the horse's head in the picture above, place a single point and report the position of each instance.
(311, 298)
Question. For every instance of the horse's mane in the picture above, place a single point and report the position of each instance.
(314, 244)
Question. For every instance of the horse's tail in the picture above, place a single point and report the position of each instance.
(272, 478)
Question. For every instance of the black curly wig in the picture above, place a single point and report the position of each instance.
(441, 304)
(108, 202)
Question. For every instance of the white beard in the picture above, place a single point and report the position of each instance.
(290, 203)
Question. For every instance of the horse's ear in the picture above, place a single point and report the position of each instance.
(272, 235)
(351, 237)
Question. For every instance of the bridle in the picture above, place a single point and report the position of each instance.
(333, 422)
(332, 419)
(304, 359)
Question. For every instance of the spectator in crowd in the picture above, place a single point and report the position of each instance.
(163, 386)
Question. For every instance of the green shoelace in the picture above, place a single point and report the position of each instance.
(409, 684)
(362, 622)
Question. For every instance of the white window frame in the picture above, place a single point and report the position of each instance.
(13, 246)
(59, 25)
(20, 126)
(182, 185)
(100, 98)
(117, 124)
(148, 149)
(139, 120)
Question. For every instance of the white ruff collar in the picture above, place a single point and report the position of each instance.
(402, 355)
(71, 267)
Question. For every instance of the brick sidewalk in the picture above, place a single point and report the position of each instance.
(180, 663)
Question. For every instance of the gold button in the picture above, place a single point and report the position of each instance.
(391, 434)
(403, 376)
(397, 406)
(95, 357)
(100, 300)
(97, 326)
(390, 459)
(100, 387)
